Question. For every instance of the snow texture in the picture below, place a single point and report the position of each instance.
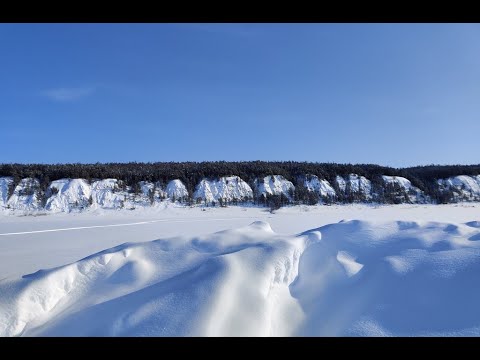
(351, 278)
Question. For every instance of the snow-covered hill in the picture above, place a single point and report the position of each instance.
(352, 278)
(227, 188)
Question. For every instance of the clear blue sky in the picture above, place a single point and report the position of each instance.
(392, 94)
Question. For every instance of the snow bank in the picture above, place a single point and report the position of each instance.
(274, 185)
(226, 188)
(359, 278)
(409, 279)
(230, 283)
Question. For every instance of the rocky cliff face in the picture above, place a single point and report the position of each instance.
(66, 195)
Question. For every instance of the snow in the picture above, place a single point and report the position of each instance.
(356, 184)
(176, 190)
(226, 188)
(465, 187)
(403, 270)
(274, 185)
(107, 194)
(403, 182)
(25, 197)
(72, 194)
(414, 194)
(4, 185)
(321, 187)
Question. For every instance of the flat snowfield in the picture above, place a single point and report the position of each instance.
(352, 270)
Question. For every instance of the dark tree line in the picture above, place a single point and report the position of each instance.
(191, 173)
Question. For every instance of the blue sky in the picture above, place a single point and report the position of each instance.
(392, 94)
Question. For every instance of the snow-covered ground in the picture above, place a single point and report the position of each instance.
(170, 270)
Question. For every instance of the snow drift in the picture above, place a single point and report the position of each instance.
(357, 278)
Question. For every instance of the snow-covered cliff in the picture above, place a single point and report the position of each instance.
(274, 185)
(228, 188)
(463, 187)
(357, 186)
(176, 190)
(68, 194)
(321, 187)
(402, 190)
(26, 196)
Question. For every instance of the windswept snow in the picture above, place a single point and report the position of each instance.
(379, 277)
(227, 188)
(274, 185)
